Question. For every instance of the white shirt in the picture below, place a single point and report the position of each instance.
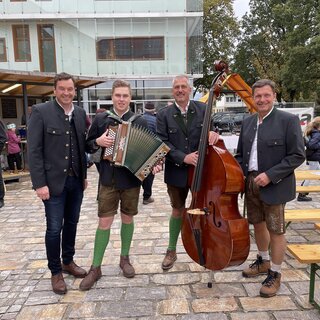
(253, 160)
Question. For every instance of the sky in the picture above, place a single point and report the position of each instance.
(240, 7)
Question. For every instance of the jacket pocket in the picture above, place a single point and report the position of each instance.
(275, 142)
(54, 131)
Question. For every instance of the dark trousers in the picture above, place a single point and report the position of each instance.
(14, 158)
(147, 186)
(2, 191)
(62, 214)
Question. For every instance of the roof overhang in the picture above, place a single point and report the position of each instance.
(37, 84)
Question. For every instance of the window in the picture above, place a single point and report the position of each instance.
(21, 42)
(17, 0)
(130, 49)
(9, 108)
(3, 50)
(46, 46)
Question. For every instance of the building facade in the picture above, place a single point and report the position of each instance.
(145, 41)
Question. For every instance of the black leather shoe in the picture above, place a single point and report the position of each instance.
(303, 197)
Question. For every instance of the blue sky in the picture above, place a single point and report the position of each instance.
(240, 7)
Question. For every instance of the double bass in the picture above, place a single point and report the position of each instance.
(214, 233)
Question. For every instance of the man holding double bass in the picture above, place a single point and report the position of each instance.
(179, 125)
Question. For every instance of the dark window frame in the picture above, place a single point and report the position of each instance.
(129, 48)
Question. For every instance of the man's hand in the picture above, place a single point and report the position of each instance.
(191, 158)
(43, 193)
(157, 168)
(213, 138)
(262, 180)
(105, 140)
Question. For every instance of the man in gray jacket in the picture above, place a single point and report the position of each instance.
(270, 147)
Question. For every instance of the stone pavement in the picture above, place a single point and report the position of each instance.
(180, 293)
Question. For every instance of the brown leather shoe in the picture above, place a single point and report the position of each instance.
(169, 259)
(271, 285)
(73, 269)
(258, 267)
(58, 284)
(126, 266)
(93, 275)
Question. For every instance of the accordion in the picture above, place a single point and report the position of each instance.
(136, 148)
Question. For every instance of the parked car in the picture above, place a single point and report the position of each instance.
(229, 122)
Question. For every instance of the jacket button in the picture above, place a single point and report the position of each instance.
(66, 157)
(67, 132)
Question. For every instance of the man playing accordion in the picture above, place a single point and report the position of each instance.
(118, 185)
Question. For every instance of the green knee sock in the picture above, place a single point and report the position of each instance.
(126, 233)
(174, 231)
(100, 244)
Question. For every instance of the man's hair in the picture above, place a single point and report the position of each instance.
(63, 76)
(181, 76)
(121, 84)
(264, 82)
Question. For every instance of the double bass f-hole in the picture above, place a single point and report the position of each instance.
(214, 216)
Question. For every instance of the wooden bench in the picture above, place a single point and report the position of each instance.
(309, 254)
(307, 189)
(298, 215)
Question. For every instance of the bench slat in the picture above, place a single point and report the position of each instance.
(305, 253)
(302, 214)
(306, 189)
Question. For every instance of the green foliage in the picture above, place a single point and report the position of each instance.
(220, 29)
(280, 40)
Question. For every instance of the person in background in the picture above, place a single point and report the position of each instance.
(25, 117)
(57, 160)
(14, 156)
(312, 143)
(179, 126)
(3, 140)
(270, 148)
(149, 115)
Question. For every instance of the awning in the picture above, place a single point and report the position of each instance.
(37, 84)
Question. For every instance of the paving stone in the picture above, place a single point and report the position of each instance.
(179, 292)
(214, 305)
(261, 304)
(250, 316)
(110, 294)
(153, 293)
(297, 315)
(127, 308)
(174, 306)
(210, 316)
(218, 290)
(44, 312)
(175, 278)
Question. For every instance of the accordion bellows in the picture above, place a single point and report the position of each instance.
(136, 148)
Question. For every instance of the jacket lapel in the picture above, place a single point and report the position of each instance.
(179, 120)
